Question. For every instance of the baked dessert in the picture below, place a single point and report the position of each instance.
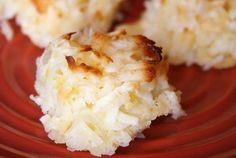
(99, 91)
(196, 31)
(44, 20)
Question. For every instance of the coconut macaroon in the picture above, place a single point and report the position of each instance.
(98, 91)
(192, 31)
(44, 20)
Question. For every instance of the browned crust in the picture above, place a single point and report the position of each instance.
(99, 15)
(163, 2)
(85, 47)
(71, 62)
(151, 56)
(152, 53)
(81, 67)
(98, 35)
(90, 69)
(163, 67)
(41, 5)
(149, 73)
(122, 32)
(140, 39)
(118, 34)
(100, 54)
(68, 36)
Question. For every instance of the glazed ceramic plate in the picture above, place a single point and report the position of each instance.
(208, 130)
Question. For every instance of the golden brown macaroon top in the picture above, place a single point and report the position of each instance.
(42, 5)
(148, 53)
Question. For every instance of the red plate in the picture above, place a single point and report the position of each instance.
(208, 130)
